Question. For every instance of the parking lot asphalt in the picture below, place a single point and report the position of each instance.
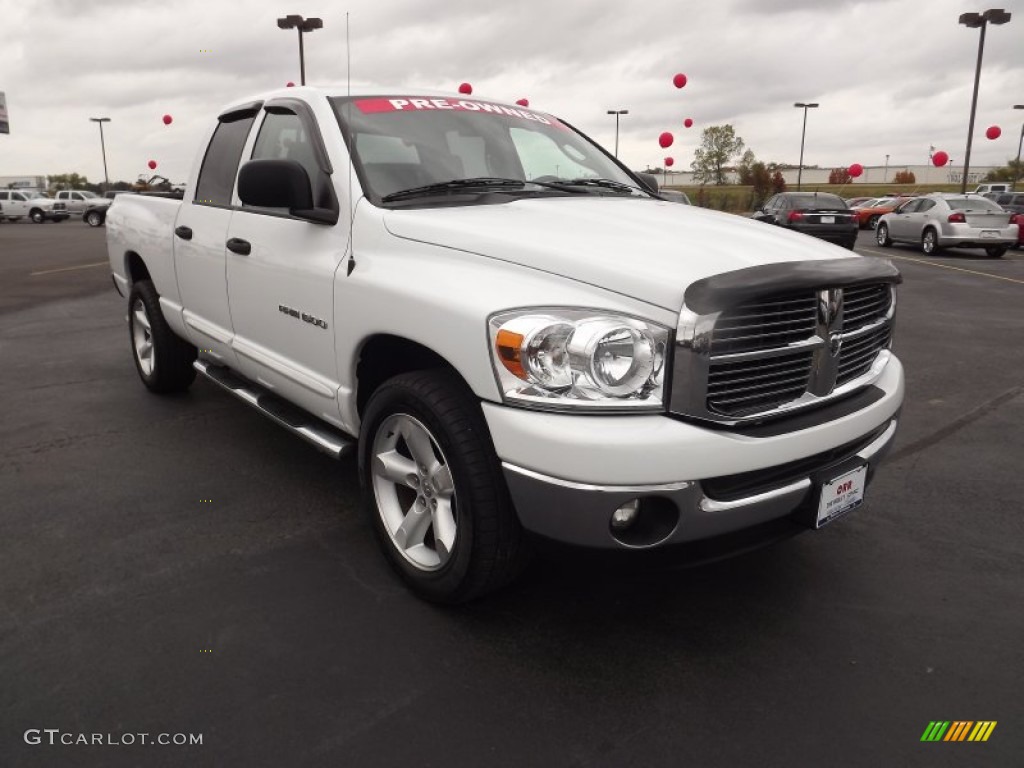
(181, 565)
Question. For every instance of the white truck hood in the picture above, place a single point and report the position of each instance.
(646, 249)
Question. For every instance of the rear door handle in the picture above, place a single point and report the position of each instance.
(185, 233)
(239, 246)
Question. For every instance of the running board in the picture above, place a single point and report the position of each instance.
(311, 429)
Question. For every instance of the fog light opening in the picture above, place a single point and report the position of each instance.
(625, 516)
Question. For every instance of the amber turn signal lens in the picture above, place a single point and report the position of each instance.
(509, 343)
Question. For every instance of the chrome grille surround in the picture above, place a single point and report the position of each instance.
(806, 357)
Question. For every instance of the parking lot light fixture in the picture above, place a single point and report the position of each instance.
(617, 112)
(803, 135)
(978, 21)
(294, 21)
(1016, 168)
(103, 148)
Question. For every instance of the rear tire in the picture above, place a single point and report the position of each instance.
(882, 236)
(163, 360)
(996, 251)
(930, 242)
(434, 490)
(93, 219)
(873, 221)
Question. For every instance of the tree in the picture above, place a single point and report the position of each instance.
(904, 177)
(719, 144)
(67, 181)
(1011, 171)
(778, 183)
(746, 168)
(839, 176)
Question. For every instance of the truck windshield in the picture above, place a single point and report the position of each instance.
(419, 146)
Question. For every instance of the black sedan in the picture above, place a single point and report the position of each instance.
(818, 214)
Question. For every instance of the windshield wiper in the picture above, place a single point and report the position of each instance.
(486, 182)
(604, 183)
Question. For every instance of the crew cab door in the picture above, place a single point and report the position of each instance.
(281, 272)
(200, 232)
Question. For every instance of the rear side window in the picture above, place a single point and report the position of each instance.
(217, 175)
(972, 204)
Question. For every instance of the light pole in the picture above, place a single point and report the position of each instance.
(295, 21)
(978, 20)
(617, 112)
(885, 174)
(803, 134)
(103, 148)
(1016, 168)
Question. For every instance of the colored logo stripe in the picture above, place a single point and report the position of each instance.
(958, 730)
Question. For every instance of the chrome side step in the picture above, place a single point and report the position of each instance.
(311, 429)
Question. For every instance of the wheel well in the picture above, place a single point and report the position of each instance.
(383, 357)
(135, 267)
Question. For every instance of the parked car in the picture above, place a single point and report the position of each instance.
(819, 214)
(949, 220)
(869, 214)
(853, 202)
(510, 331)
(981, 189)
(17, 205)
(77, 201)
(1011, 201)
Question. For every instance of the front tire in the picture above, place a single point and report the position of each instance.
(163, 360)
(36, 216)
(996, 251)
(433, 488)
(93, 219)
(873, 221)
(929, 242)
(882, 236)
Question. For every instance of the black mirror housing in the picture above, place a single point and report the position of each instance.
(275, 184)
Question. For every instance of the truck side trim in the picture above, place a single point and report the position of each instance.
(307, 380)
(207, 328)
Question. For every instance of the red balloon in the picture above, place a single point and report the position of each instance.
(466, 88)
(939, 159)
(152, 165)
(523, 102)
(665, 140)
(856, 170)
(669, 162)
(168, 119)
(688, 123)
(993, 132)
(289, 84)
(679, 80)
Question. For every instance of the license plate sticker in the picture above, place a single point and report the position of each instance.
(989, 234)
(828, 219)
(840, 495)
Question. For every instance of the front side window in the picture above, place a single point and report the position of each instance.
(404, 143)
(217, 174)
(18, 197)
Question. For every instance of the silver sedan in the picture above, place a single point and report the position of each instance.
(949, 220)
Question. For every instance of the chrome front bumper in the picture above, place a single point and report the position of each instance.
(580, 513)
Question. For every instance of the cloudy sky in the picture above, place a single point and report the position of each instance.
(892, 76)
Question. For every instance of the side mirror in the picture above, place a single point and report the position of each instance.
(650, 181)
(281, 184)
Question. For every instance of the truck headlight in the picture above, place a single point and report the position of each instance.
(574, 358)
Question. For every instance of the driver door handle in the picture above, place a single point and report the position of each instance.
(185, 233)
(239, 246)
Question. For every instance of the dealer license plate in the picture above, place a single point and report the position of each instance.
(828, 219)
(989, 234)
(840, 495)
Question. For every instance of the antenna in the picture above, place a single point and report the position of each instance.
(348, 107)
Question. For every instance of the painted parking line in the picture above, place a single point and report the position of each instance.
(942, 266)
(69, 269)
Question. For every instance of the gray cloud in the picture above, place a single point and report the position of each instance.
(892, 76)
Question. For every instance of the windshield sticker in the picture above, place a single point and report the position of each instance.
(373, 106)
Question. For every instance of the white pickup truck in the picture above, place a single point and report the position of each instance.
(511, 331)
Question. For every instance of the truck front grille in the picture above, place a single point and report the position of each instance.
(775, 353)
